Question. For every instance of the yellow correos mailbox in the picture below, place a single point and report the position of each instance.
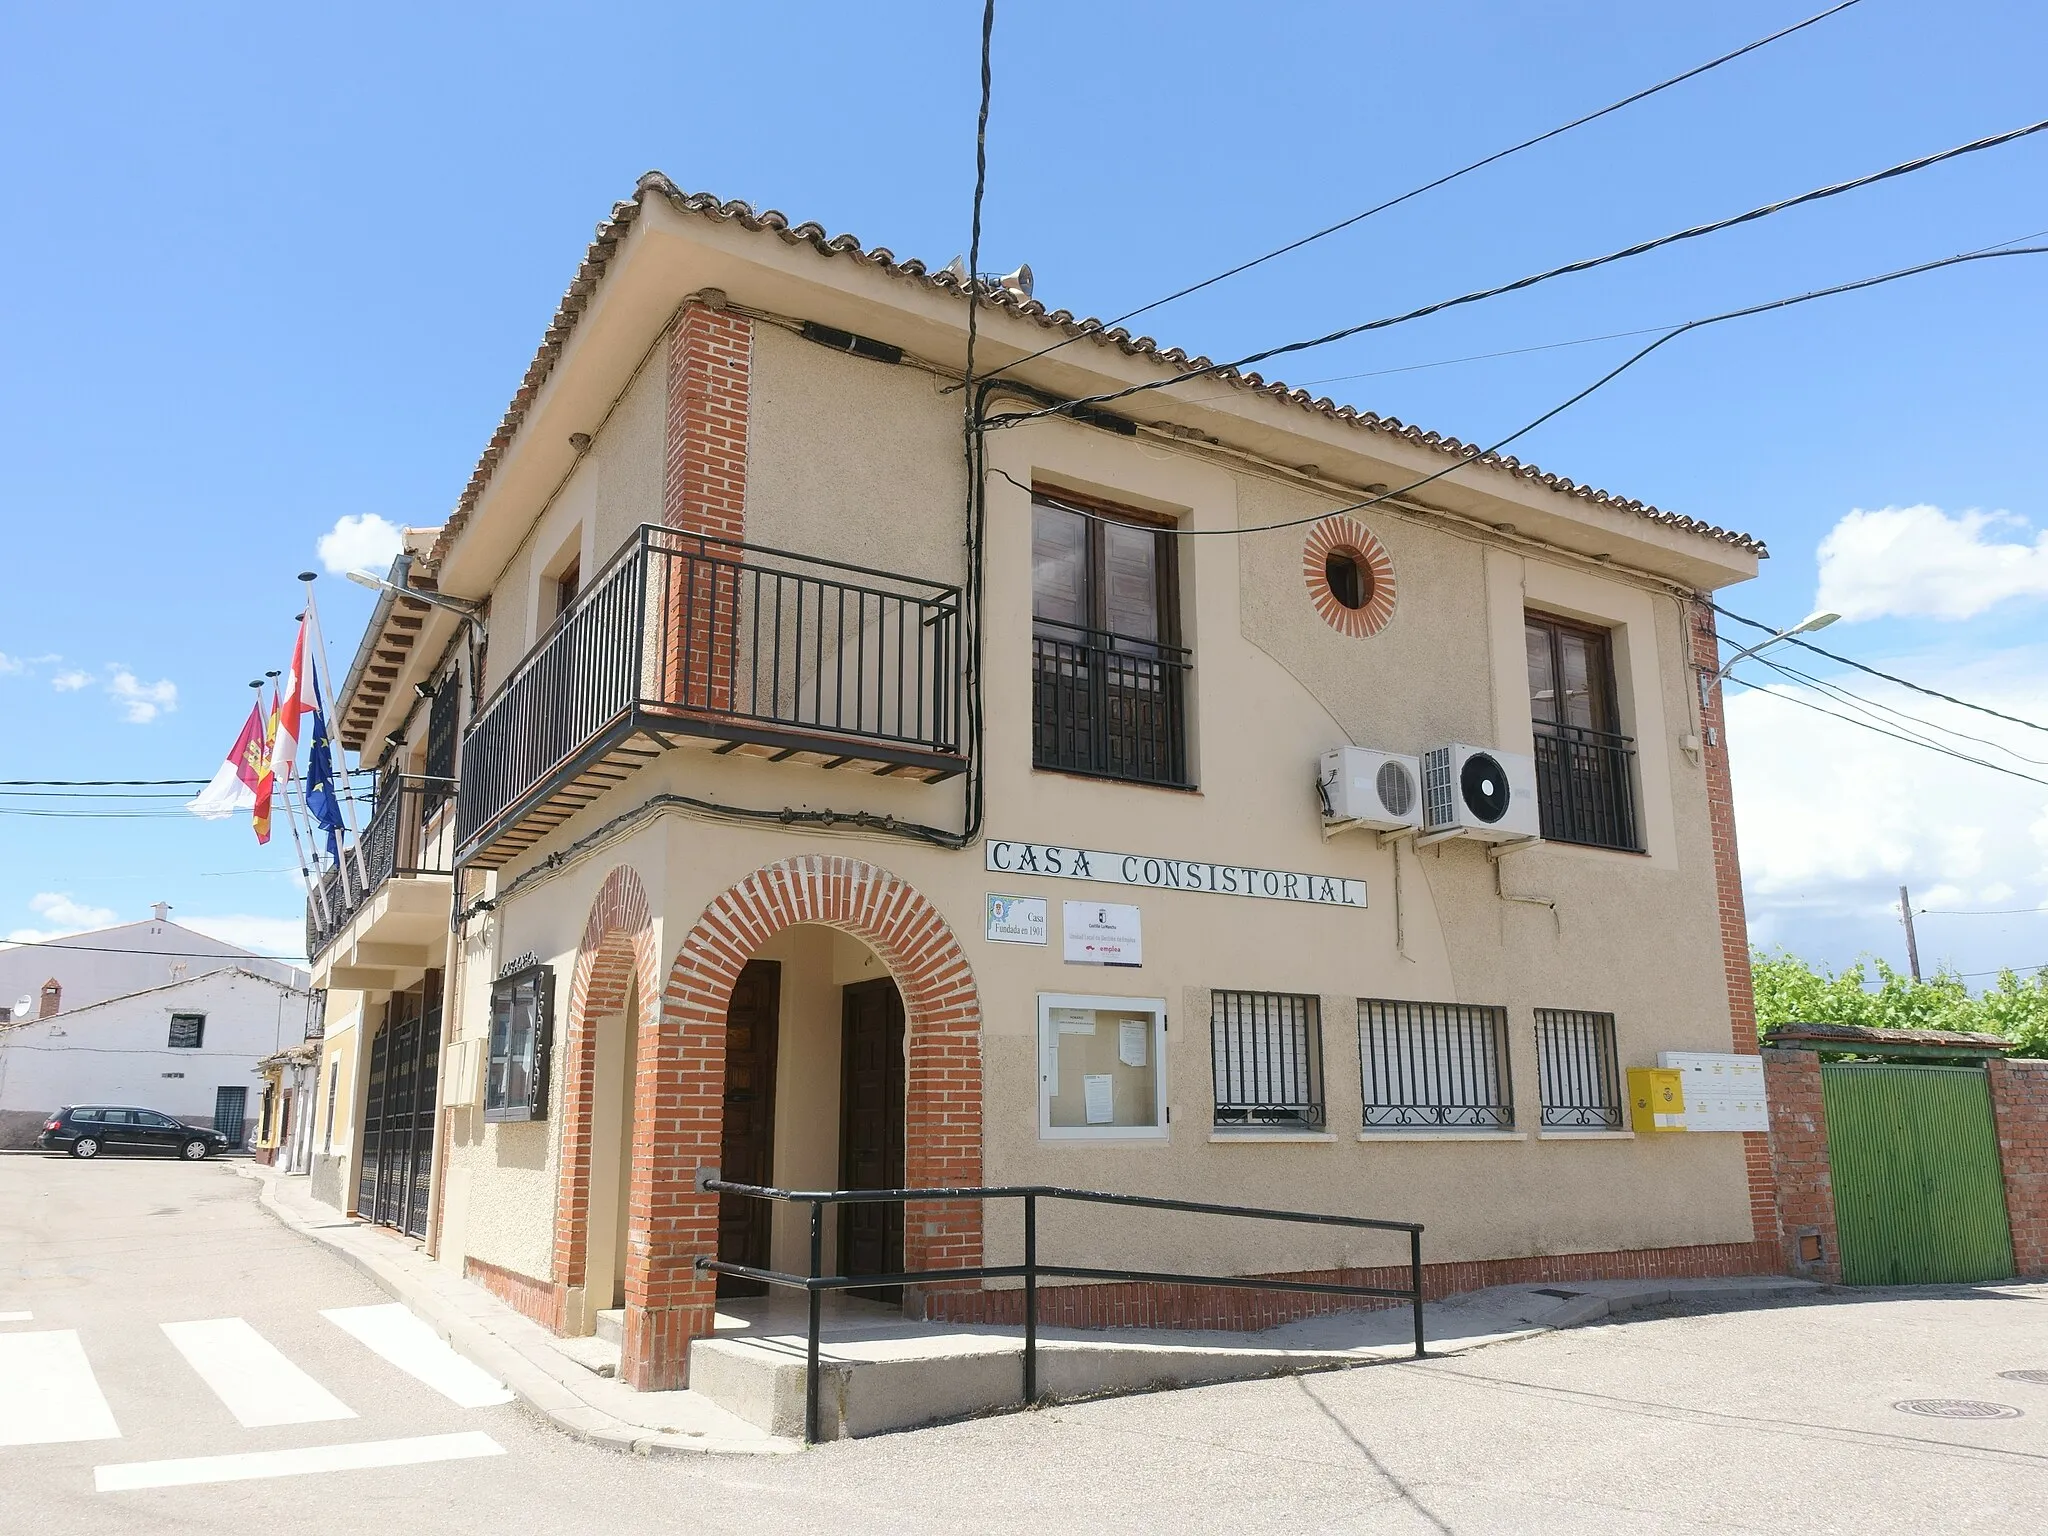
(1656, 1099)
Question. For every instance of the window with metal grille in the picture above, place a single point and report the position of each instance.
(522, 1032)
(188, 1030)
(1267, 1049)
(442, 716)
(1434, 1066)
(1581, 1083)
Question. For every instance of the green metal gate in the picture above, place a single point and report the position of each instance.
(1919, 1192)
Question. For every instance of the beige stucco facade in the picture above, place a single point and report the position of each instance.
(857, 460)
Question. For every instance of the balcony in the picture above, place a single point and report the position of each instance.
(1585, 786)
(686, 640)
(410, 834)
(1109, 706)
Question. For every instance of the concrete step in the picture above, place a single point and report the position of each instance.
(873, 1387)
(598, 1356)
(611, 1325)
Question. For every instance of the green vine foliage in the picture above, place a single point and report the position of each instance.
(1790, 991)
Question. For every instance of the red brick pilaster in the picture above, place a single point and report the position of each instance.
(1734, 921)
(1803, 1175)
(617, 948)
(710, 368)
(2019, 1100)
(680, 1091)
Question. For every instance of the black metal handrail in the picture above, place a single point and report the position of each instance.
(406, 835)
(1109, 705)
(815, 1284)
(685, 629)
(1585, 786)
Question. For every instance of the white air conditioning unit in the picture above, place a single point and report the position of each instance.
(1381, 791)
(1477, 792)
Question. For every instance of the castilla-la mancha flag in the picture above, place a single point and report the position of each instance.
(233, 788)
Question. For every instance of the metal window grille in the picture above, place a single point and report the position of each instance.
(1267, 1048)
(1581, 1083)
(1434, 1066)
(188, 1031)
(1585, 786)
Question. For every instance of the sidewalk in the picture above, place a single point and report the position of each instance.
(757, 1354)
(519, 1352)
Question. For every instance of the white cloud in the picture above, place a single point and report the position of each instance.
(65, 914)
(1923, 561)
(141, 702)
(70, 682)
(1833, 819)
(265, 935)
(358, 543)
(11, 664)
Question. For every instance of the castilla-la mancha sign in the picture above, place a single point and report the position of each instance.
(1166, 874)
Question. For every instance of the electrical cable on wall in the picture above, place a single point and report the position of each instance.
(1445, 180)
(1584, 264)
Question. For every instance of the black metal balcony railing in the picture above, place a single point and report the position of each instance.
(1109, 705)
(1585, 786)
(683, 634)
(408, 834)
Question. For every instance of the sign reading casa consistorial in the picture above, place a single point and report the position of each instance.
(1164, 874)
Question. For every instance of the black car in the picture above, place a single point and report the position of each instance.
(87, 1130)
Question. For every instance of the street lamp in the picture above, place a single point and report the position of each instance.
(467, 609)
(1806, 626)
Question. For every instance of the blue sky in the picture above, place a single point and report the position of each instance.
(268, 270)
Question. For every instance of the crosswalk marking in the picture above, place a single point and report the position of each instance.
(17, 1317)
(314, 1458)
(247, 1372)
(408, 1343)
(47, 1391)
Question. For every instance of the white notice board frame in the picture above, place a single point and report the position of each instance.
(1048, 1048)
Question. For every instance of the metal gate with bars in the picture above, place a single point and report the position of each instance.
(1919, 1189)
(396, 1170)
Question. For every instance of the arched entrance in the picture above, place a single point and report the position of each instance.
(611, 1004)
(679, 1123)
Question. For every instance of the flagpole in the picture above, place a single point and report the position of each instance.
(313, 892)
(348, 793)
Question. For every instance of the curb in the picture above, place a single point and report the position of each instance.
(540, 1394)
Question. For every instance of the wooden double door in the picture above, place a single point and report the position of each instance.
(871, 1124)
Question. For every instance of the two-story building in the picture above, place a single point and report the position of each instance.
(780, 787)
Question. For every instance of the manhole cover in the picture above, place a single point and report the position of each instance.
(1956, 1408)
(2038, 1378)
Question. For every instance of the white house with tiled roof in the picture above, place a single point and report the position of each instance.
(1157, 798)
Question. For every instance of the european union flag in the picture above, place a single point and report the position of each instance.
(321, 802)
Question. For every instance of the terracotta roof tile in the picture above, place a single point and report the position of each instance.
(654, 184)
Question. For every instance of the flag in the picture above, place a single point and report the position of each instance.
(323, 806)
(293, 702)
(233, 788)
(266, 778)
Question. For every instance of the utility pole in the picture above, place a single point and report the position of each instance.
(1912, 946)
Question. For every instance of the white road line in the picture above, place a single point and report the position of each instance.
(247, 1465)
(17, 1317)
(408, 1343)
(250, 1375)
(47, 1391)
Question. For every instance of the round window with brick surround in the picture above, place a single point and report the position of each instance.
(1350, 579)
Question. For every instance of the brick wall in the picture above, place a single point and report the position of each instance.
(1734, 921)
(533, 1298)
(710, 362)
(1147, 1305)
(617, 947)
(680, 1088)
(2019, 1102)
(1805, 1182)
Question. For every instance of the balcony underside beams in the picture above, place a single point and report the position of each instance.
(640, 736)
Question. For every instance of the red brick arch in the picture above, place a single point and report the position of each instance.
(681, 1088)
(617, 947)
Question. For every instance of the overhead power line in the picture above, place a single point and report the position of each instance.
(1932, 693)
(1430, 186)
(147, 954)
(1585, 264)
(1475, 455)
(2003, 912)
(1888, 714)
(1911, 741)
